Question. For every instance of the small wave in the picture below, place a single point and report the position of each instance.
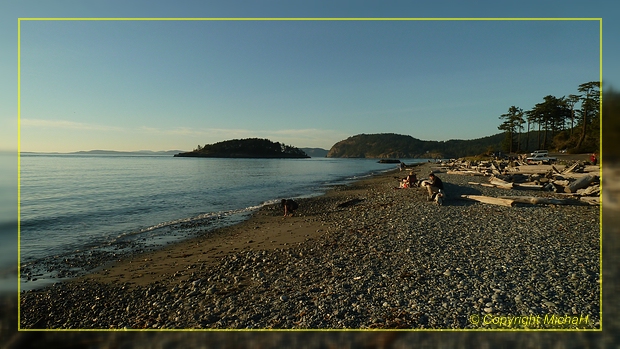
(199, 218)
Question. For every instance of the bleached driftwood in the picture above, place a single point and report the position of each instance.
(468, 172)
(561, 182)
(483, 184)
(580, 183)
(590, 191)
(528, 186)
(571, 168)
(501, 183)
(490, 200)
(543, 201)
(591, 200)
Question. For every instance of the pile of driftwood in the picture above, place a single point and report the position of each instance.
(578, 182)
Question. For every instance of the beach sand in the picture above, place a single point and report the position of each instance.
(362, 256)
(264, 231)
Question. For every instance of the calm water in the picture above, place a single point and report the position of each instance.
(77, 204)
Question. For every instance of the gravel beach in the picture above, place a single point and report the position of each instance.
(363, 256)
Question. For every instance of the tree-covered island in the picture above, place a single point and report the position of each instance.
(246, 148)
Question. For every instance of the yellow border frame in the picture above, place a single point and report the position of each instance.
(19, 20)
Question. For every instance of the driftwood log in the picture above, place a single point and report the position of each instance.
(483, 184)
(590, 191)
(528, 186)
(511, 201)
(571, 168)
(501, 183)
(543, 201)
(591, 200)
(466, 172)
(580, 183)
(490, 200)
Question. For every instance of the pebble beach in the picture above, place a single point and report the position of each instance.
(362, 256)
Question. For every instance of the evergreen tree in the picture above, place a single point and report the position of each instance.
(590, 106)
(512, 122)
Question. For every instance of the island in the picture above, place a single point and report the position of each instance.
(246, 148)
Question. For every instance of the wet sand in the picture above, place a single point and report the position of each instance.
(263, 231)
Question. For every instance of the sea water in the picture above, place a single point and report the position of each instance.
(76, 206)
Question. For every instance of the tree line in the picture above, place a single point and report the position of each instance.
(570, 123)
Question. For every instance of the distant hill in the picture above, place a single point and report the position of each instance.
(246, 148)
(315, 152)
(391, 145)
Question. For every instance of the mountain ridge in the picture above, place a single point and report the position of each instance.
(392, 145)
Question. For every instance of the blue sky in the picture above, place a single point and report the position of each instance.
(161, 85)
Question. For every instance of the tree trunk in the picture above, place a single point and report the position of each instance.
(545, 137)
(527, 141)
(584, 127)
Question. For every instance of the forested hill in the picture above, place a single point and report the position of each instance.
(390, 145)
(246, 148)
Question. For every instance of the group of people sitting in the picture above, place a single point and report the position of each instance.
(434, 185)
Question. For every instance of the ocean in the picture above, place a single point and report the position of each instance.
(78, 211)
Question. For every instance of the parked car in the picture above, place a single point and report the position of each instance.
(541, 157)
(543, 152)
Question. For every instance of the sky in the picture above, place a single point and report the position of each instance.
(131, 85)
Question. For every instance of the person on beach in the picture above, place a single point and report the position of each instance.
(403, 184)
(593, 159)
(412, 180)
(408, 182)
(433, 185)
(289, 206)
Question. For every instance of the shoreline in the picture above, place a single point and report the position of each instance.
(118, 242)
(265, 229)
(361, 256)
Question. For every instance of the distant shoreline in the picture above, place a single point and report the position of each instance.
(107, 152)
(238, 156)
